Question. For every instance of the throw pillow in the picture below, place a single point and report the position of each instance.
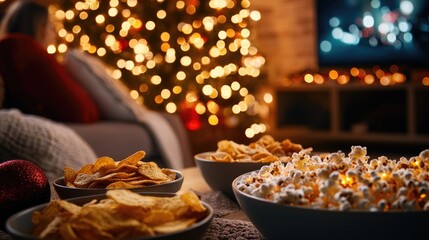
(50, 145)
(109, 94)
(36, 83)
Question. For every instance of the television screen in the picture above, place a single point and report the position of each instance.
(373, 32)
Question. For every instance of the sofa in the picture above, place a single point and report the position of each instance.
(121, 127)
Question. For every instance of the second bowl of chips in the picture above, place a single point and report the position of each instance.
(172, 186)
(105, 173)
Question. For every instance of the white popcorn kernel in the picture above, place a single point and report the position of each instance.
(382, 204)
(410, 205)
(426, 207)
(407, 175)
(401, 191)
(351, 173)
(374, 163)
(424, 155)
(299, 193)
(345, 205)
(323, 173)
(265, 188)
(365, 191)
(334, 176)
(363, 204)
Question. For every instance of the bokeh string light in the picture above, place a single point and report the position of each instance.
(193, 57)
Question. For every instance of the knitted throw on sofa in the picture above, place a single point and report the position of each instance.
(48, 144)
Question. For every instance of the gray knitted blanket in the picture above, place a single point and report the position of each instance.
(48, 144)
(223, 228)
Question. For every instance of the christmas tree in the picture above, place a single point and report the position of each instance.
(187, 56)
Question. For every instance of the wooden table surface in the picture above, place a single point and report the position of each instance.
(194, 181)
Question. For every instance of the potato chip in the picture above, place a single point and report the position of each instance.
(69, 174)
(121, 184)
(133, 159)
(191, 199)
(170, 173)
(123, 168)
(128, 198)
(87, 169)
(174, 226)
(104, 164)
(152, 171)
(83, 179)
(158, 216)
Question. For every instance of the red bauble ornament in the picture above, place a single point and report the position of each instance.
(22, 185)
(123, 44)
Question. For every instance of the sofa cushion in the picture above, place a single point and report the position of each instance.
(109, 94)
(36, 83)
(50, 145)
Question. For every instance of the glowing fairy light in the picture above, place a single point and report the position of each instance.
(168, 63)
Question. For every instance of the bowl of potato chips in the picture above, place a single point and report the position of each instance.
(219, 168)
(338, 197)
(118, 214)
(105, 173)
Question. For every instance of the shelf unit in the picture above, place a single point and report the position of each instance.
(353, 113)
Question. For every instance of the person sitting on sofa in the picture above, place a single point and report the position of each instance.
(35, 82)
(78, 91)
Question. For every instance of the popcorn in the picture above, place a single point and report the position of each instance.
(340, 182)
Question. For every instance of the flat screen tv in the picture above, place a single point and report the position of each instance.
(364, 33)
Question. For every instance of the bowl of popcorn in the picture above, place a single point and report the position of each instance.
(219, 168)
(117, 214)
(129, 173)
(338, 197)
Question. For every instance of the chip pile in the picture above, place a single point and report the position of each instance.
(130, 172)
(123, 214)
(265, 150)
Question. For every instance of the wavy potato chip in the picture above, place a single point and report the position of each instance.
(152, 171)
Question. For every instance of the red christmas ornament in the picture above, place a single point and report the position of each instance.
(190, 116)
(123, 44)
(22, 185)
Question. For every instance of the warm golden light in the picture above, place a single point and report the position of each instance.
(308, 78)
(268, 98)
(193, 55)
(333, 74)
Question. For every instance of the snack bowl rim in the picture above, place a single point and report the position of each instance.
(219, 175)
(263, 212)
(65, 192)
(12, 225)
